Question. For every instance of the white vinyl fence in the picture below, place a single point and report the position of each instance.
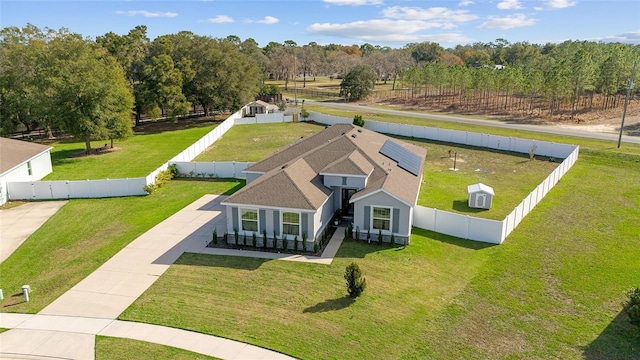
(216, 169)
(462, 226)
(265, 119)
(465, 226)
(72, 189)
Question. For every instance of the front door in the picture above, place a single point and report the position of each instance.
(481, 200)
(347, 209)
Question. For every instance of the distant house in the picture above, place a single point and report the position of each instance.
(480, 196)
(372, 178)
(258, 107)
(22, 161)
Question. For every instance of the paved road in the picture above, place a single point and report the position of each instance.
(493, 123)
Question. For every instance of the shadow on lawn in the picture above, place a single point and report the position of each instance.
(463, 206)
(469, 244)
(619, 340)
(330, 305)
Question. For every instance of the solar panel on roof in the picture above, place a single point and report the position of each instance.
(405, 158)
(392, 150)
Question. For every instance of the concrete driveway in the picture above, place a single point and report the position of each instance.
(18, 223)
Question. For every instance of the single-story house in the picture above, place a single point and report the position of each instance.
(22, 161)
(258, 107)
(480, 196)
(372, 178)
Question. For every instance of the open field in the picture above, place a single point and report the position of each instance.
(153, 144)
(108, 348)
(552, 290)
(255, 142)
(84, 234)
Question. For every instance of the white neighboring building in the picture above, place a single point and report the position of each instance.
(22, 161)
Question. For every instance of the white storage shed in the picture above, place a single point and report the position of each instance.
(480, 196)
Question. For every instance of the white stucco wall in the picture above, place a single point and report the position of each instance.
(40, 167)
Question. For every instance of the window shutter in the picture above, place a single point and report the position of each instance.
(262, 220)
(304, 224)
(367, 218)
(276, 221)
(234, 212)
(396, 220)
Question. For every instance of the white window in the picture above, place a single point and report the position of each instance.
(381, 218)
(249, 219)
(291, 223)
(29, 170)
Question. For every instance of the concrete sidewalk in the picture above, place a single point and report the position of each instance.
(115, 285)
(18, 223)
(67, 327)
(51, 336)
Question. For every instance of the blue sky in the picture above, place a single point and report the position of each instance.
(378, 22)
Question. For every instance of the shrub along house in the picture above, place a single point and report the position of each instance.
(295, 191)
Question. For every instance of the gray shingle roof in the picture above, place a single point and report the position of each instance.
(340, 149)
(15, 152)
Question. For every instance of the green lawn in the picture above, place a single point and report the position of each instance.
(552, 290)
(255, 142)
(109, 348)
(136, 156)
(84, 234)
(512, 176)
(301, 309)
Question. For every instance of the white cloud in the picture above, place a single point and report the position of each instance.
(560, 4)
(354, 2)
(632, 37)
(147, 13)
(387, 30)
(465, 3)
(440, 14)
(507, 22)
(220, 19)
(538, 8)
(268, 20)
(509, 5)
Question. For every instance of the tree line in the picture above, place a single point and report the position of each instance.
(90, 88)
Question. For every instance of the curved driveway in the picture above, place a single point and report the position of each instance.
(493, 123)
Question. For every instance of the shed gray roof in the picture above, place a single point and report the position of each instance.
(15, 152)
(291, 177)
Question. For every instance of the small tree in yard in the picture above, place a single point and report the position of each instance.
(632, 305)
(355, 282)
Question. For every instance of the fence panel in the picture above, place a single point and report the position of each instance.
(424, 218)
(19, 190)
(485, 230)
(474, 139)
(522, 145)
(59, 189)
(452, 224)
(458, 137)
(42, 190)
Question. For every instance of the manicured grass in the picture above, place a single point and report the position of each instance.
(255, 142)
(301, 309)
(512, 176)
(84, 234)
(552, 290)
(136, 156)
(108, 348)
